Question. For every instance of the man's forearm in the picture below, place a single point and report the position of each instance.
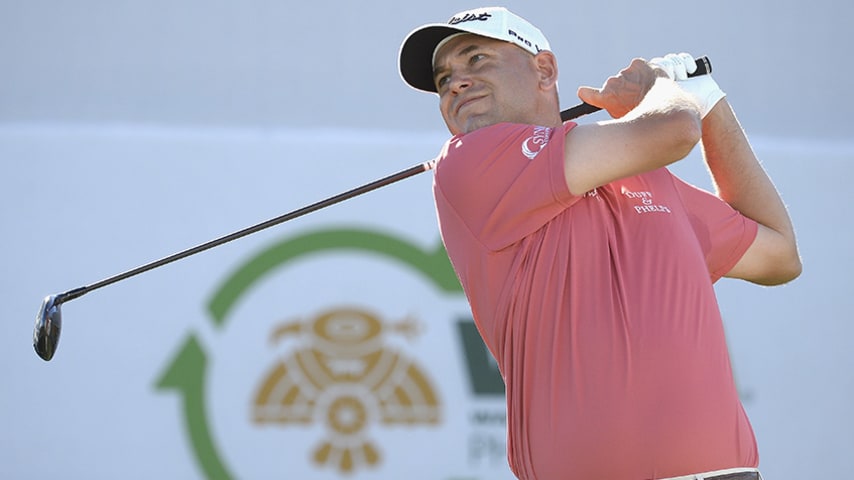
(741, 181)
(738, 176)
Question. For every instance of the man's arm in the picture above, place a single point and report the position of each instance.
(741, 181)
(655, 124)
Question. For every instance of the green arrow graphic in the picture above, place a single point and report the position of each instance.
(186, 374)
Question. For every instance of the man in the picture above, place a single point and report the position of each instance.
(588, 266)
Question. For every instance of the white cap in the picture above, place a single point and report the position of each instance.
(419, 47)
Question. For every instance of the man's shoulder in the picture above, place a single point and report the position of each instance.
(525, 139)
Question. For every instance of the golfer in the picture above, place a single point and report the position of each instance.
(589, 267)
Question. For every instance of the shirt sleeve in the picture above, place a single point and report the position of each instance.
(505, 181)
(724, 234)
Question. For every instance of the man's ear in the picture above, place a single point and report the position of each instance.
(547, 68)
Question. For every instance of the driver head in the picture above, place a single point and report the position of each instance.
(48, 325)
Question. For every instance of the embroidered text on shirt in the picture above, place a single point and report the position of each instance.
(647, 205)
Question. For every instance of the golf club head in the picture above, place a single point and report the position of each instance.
(48, 325)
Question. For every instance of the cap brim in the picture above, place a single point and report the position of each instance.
(416, 55)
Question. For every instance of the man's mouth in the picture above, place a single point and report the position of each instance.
(468, 101)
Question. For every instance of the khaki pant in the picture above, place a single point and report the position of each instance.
(728, 474)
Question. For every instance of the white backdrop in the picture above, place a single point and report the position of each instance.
(132, 130)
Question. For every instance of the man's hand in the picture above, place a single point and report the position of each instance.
(703, 88)
(620, 94)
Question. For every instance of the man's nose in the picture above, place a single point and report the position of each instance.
(460, 83)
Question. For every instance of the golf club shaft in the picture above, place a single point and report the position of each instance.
(414, 170)
(704, 67)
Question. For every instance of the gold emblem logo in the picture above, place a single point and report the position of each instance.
(344, 376)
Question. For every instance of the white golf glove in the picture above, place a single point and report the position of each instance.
(703, 88)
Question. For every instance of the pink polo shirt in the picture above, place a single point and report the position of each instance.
(599, 309)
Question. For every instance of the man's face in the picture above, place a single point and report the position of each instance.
(482, 81)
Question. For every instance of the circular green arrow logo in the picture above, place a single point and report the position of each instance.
(187, 372)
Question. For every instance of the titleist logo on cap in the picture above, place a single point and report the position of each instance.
(418, 52)
(470, 17)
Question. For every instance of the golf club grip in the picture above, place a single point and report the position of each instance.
(704, 67)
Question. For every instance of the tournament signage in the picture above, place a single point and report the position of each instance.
(340, 352)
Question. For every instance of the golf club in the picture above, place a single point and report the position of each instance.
(49, 318)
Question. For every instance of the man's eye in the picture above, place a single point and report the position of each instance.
(441, 81)
(476, 57)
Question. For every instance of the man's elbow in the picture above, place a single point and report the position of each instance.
(789, 265)
(782, 269)
(772, 259)
(791, 269)
(687, 131)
